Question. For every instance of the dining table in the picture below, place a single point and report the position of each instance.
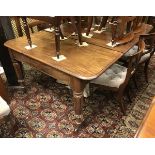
(80, 64)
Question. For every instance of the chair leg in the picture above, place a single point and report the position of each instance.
(26, 29)
(128, 95)
(119, 99)
(96, 20)
(90, 22)
(146, 71)
(61, 34)
(135, 82)
(103, 22)
(78, 25)
(57, 35)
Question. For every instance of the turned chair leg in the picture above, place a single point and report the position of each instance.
(96, 20)
(103, 22)
(26, 29)
(90, 22)
(61, 34)
(146, 71)
(57, 35)
(78, 24)
(77, 27)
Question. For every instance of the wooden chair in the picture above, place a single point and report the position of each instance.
(101, 24)
(56, 21)
(27, 27)
(138, 24)
(116, 78)
(5, 111)
(33, 23)
(151, 21)
(146, 55)
(122, 29)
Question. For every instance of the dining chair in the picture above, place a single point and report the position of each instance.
(6, 116)
(122, 29)
(32, 23)
(151, 21)
(117, 77)
(100, 23)
(146, 55)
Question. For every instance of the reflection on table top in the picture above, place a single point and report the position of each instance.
(105, 37)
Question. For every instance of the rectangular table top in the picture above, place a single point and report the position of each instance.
(84, 63)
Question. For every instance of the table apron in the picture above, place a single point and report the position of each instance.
(57, 74)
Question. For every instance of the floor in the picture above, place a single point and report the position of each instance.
(46, 109)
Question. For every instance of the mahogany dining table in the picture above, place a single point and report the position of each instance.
(82, 64)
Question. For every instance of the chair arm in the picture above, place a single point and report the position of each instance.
(147, 36)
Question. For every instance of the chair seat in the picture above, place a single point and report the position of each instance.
(4, 108)
(112, 77)
(144, 57)
(132, 51)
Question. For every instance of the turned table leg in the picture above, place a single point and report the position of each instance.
(78, 98)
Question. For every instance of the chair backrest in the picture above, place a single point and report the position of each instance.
(134, 61)
(122, 29)
(138, 22)
(16, 19)
(124, 25)
(150, 42)
(18, 25)
(135, 58)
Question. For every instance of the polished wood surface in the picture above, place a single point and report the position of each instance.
(105, 37)
(147, 128)
(84, 63)
(81, 64)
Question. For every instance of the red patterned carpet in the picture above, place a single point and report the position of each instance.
(46, 110)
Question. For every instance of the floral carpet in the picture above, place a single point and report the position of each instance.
(46, 109)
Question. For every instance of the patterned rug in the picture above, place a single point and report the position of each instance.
(46, 109)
